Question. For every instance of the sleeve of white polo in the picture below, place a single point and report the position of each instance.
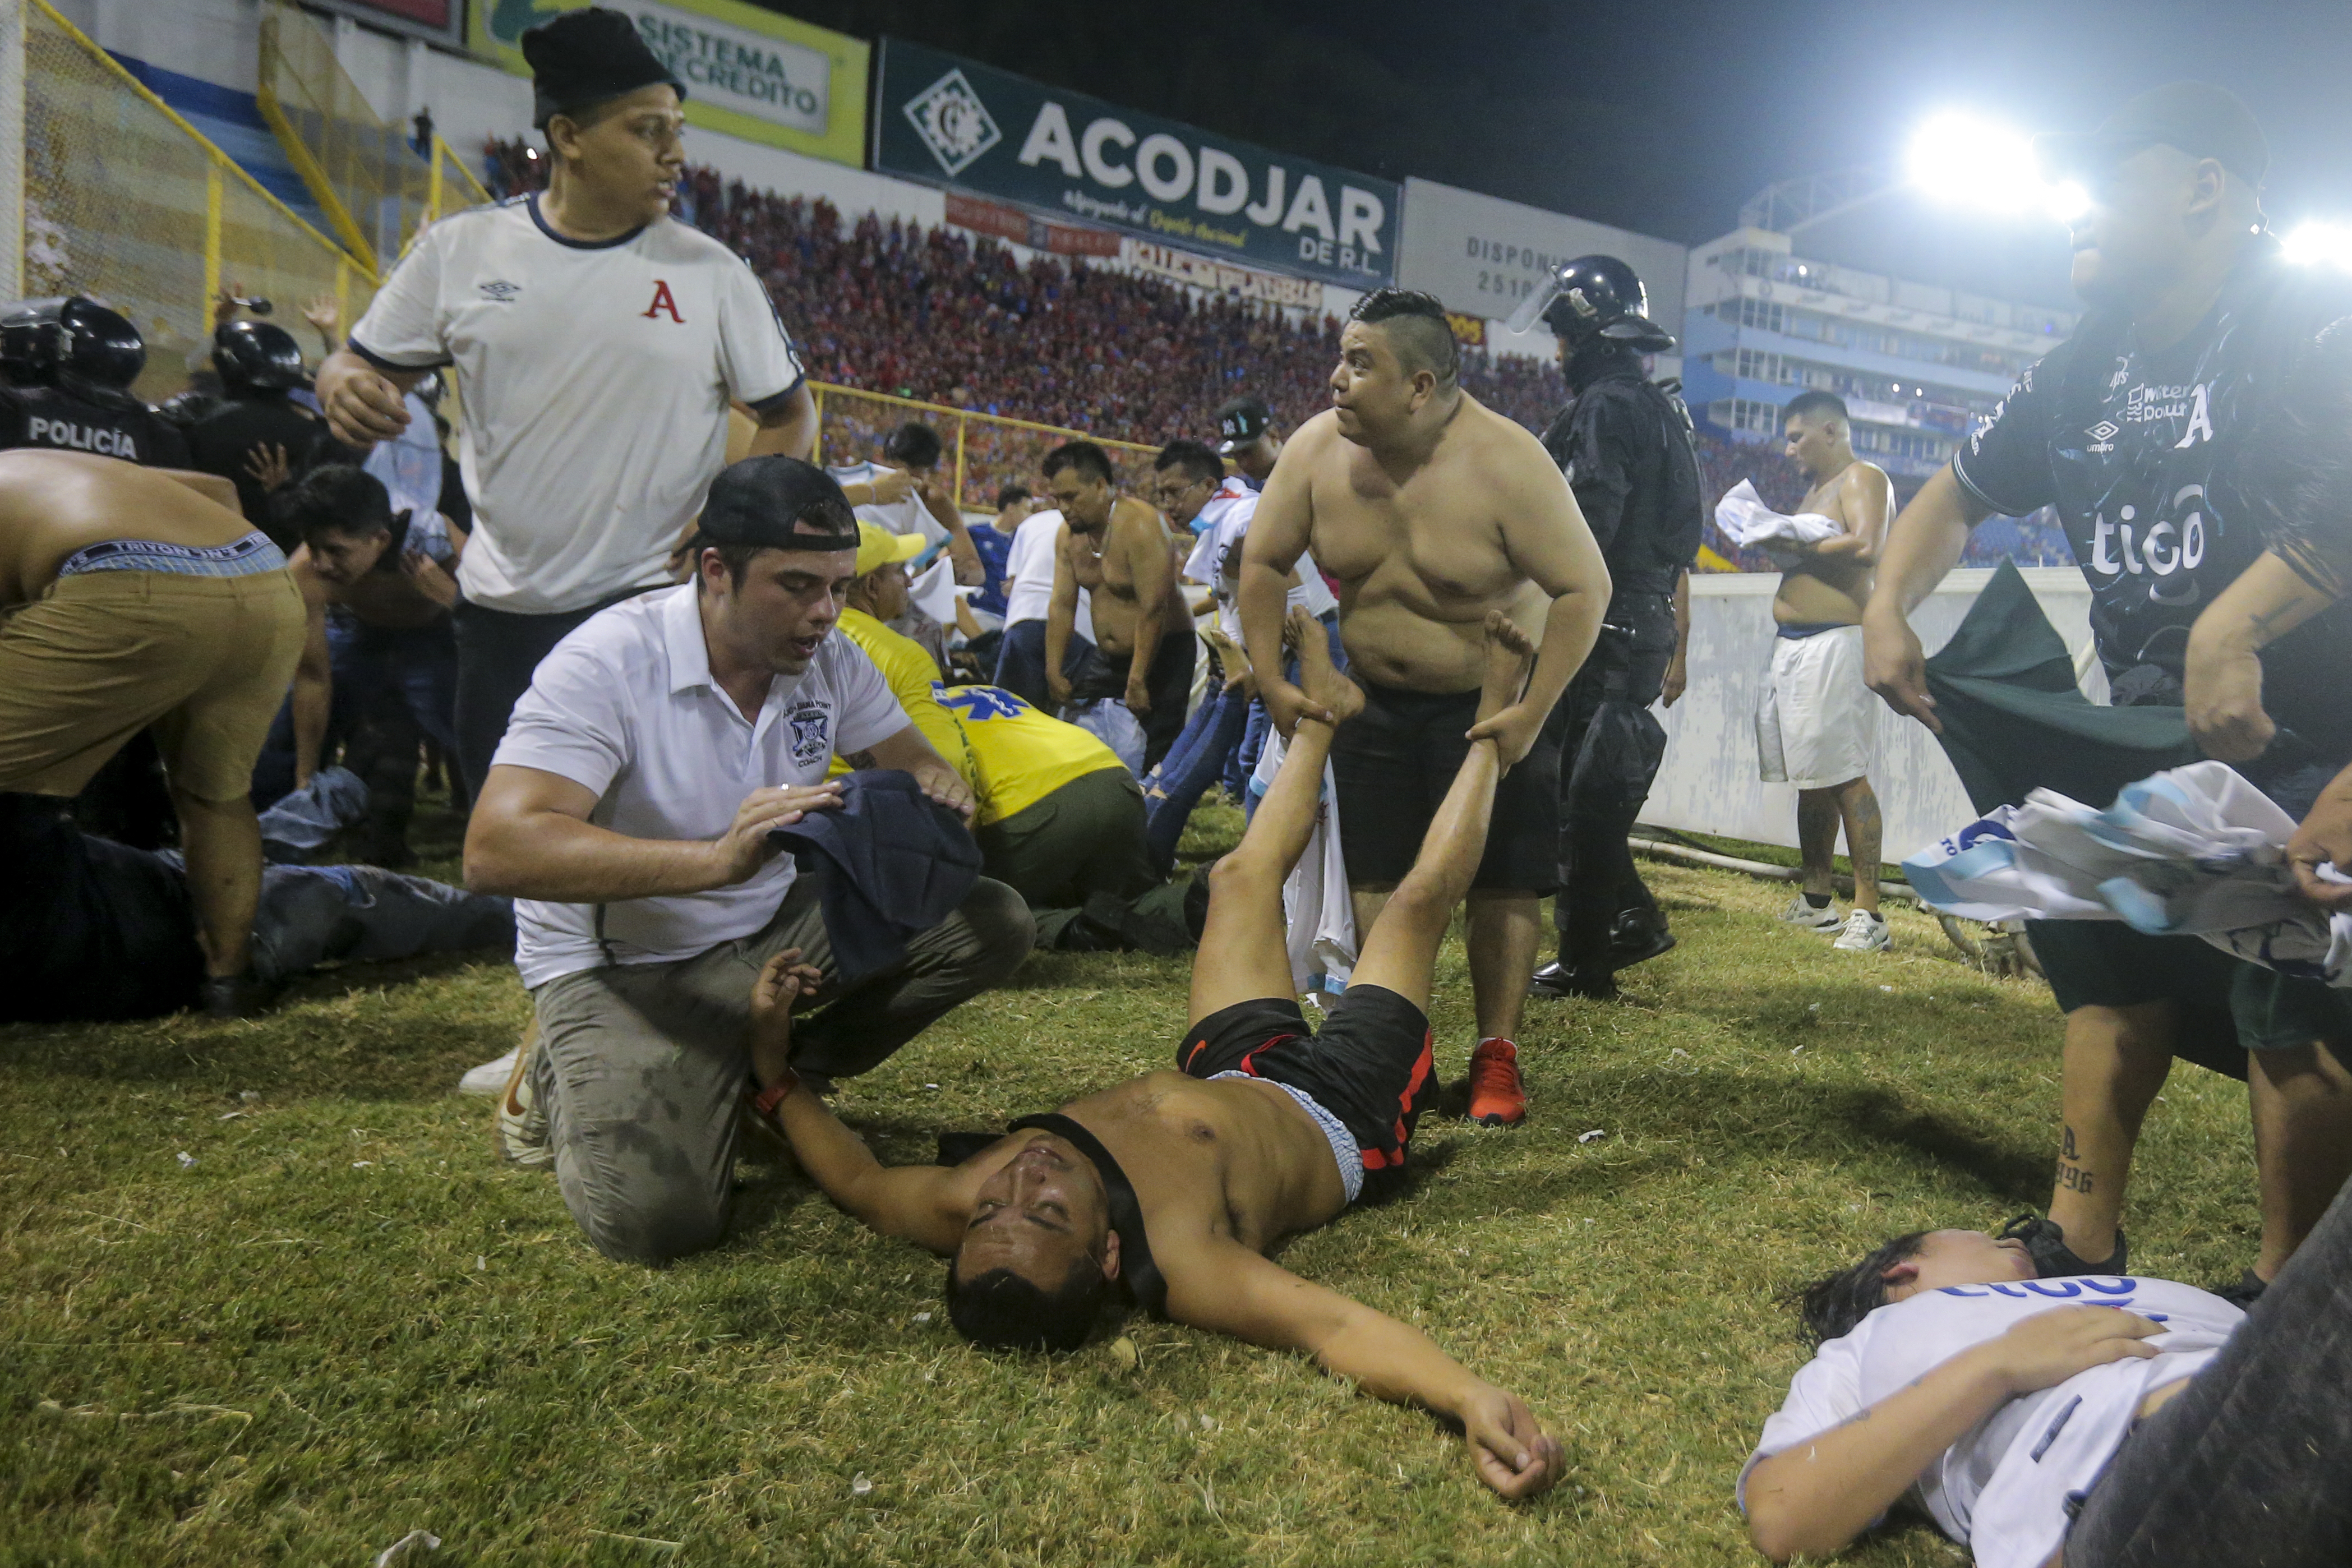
(571, 722)
(402, 328)
(868, 712)
(756, 355)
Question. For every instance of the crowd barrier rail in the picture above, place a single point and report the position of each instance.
(990, 450)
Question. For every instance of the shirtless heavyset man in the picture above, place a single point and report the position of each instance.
(147, 606)
(1433, 512)
(1118, 550)
(1817, 725)
(1176, 1184)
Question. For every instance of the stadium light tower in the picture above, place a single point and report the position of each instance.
(1953, 158)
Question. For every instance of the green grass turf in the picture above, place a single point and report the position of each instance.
(345, 1320)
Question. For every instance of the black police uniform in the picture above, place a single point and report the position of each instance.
(1625, 445)
(89, 418)
(2144, 454)
(255, 426)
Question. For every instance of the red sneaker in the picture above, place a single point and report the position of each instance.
(1498, 1099)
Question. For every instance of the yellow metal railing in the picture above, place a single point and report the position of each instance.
(991, 450)
(126, 202)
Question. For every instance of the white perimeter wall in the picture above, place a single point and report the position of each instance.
(1708, 783)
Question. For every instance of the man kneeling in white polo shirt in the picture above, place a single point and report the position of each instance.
(628, 813)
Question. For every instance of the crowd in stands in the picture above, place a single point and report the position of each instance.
(942, 316)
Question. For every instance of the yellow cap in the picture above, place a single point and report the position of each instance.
(878, 547)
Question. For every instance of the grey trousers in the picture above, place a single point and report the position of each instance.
(642, 1066)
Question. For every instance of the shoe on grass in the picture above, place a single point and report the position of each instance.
(521, 1121)
(1564, 980)
(2245, 1292)
(490, 1078)
(1638, 937)
(2045, 1242)
(1498, 1098)
(1864, 933)
(1801, 913)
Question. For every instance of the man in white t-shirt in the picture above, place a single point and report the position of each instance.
(598, 343)
(2134, 1421)
(903, 494)
(629, 813)
(1028, 596)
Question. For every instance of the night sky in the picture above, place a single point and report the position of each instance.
(1662, 116)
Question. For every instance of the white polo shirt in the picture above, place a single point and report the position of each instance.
(626, 706)
(1029, 574)
(595, 382)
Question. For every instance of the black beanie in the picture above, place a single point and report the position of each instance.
(583, 58)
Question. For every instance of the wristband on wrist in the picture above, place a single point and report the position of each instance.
(765, 1102)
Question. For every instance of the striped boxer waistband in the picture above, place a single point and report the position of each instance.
(251, 556)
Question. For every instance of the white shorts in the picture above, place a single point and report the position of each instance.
(1817, 726)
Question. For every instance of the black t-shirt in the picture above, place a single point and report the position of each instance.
(54, 418)
(1625, 447)
(89, 928)
(2139, 452)
(229, 441)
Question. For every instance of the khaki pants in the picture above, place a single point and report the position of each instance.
(642, 1066)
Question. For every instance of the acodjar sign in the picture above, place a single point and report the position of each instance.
(944, 120)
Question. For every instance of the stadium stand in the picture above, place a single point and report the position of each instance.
(946, 317)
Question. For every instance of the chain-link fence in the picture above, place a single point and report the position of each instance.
(983, 452)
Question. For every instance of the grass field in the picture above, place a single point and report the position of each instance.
(269, 1298)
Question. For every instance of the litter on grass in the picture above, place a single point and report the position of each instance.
(1589, 1136)
(859, 1486)
(188, 1161)
(408, 1548)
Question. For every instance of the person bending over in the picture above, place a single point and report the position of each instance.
(148, 606)
(631, 810)
(1172, 1186)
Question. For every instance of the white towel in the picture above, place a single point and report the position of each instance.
(1745, 520)
(1315, 904)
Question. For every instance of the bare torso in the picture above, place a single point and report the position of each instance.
(1832, 590)
(1420, 554)
(387, 599)
(53, 503)
(1235, 1158)
(1107, 564)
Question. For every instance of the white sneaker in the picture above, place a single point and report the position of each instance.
(1864, 933)
(1801, 913)
(490, 1078)
(522, 1121)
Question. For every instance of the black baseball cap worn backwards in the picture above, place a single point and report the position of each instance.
(583, 58)
(775, 502)
(2195, 117)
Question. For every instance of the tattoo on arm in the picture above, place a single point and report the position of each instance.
(859, 759)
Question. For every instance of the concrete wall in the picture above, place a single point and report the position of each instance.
(1708, 783)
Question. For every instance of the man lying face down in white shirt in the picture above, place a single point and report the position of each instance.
(629, 811)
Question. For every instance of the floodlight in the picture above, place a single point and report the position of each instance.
(1968, 161)
(2319, 242)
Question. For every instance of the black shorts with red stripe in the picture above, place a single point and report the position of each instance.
(1368, 1065)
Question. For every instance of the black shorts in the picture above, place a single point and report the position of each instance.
(1369, 1067)
(2227, 1005)
(1392, 764)
(1169, 681)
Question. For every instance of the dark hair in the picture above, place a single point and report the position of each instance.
(736, 558)
(1831, 1306)
(1012, 494)
(1000, 1310)
(1417, 325)
(1816, 401)
(1084, 456)
(1194, 458)
(915, 444)
(334, 496)
(2300, 469)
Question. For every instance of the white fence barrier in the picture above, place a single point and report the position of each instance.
(1708, 783)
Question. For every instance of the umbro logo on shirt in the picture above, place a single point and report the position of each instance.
(500, 290)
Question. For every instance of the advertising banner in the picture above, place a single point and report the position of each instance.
(748, 72)
(1221, 277)
(1482, 255)
(1027, 228)
(438, 19)
(947, 121)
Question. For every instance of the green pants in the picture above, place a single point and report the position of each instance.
(1085, 838)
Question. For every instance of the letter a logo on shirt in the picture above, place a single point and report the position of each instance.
(2201, 422)
(664, 300)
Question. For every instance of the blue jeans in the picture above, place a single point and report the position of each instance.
(1252, 746)
(1021, 662)
(1173, 789)
(402, 682)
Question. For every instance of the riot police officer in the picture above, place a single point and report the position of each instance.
(1626, 447)
(69, 363)
(259, 438)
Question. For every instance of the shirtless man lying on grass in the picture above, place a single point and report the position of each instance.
(1267, 1130)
